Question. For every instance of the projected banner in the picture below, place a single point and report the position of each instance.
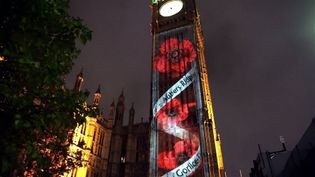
(175, 98)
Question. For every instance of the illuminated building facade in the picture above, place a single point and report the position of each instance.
(91, 139)
(109, 147)
(129, 149)
(184, 139)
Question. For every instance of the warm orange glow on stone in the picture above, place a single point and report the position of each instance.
(2, 58)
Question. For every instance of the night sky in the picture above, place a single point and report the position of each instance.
(260, 57)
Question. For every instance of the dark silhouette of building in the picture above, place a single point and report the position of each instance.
(300, 162)
(129, 146)
(269, 164)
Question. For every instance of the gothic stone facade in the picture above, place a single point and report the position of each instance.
(129, 150)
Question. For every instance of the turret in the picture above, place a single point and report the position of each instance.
(79, 81)
(97, 96)
(112, 111)
(121, 98)
(120, 109)
(131, 114)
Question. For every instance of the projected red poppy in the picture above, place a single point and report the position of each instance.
(174, 111)
(174, 56)
(169, 120)
(182, 151)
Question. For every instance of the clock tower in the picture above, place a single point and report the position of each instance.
(184, 139)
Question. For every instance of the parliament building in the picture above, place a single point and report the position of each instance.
(107, 146)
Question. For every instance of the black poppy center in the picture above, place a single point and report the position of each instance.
(172, 112)
(174, 55)
(181, 158)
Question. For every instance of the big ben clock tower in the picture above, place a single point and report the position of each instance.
(184, 141)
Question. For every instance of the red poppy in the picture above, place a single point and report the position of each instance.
(172, 113)
(189, 147)
(171, 159)
(174, 56)
(167, 160)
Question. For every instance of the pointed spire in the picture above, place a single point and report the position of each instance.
(97, 96)
(122, 93)
(121, 97)
(79, 81)
(120, 109)
(81, 72)
(131, 114)
(132, 109)
(98, 89)
(112, 110)
(113, 103)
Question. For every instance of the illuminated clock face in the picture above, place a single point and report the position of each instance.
(171, 8)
